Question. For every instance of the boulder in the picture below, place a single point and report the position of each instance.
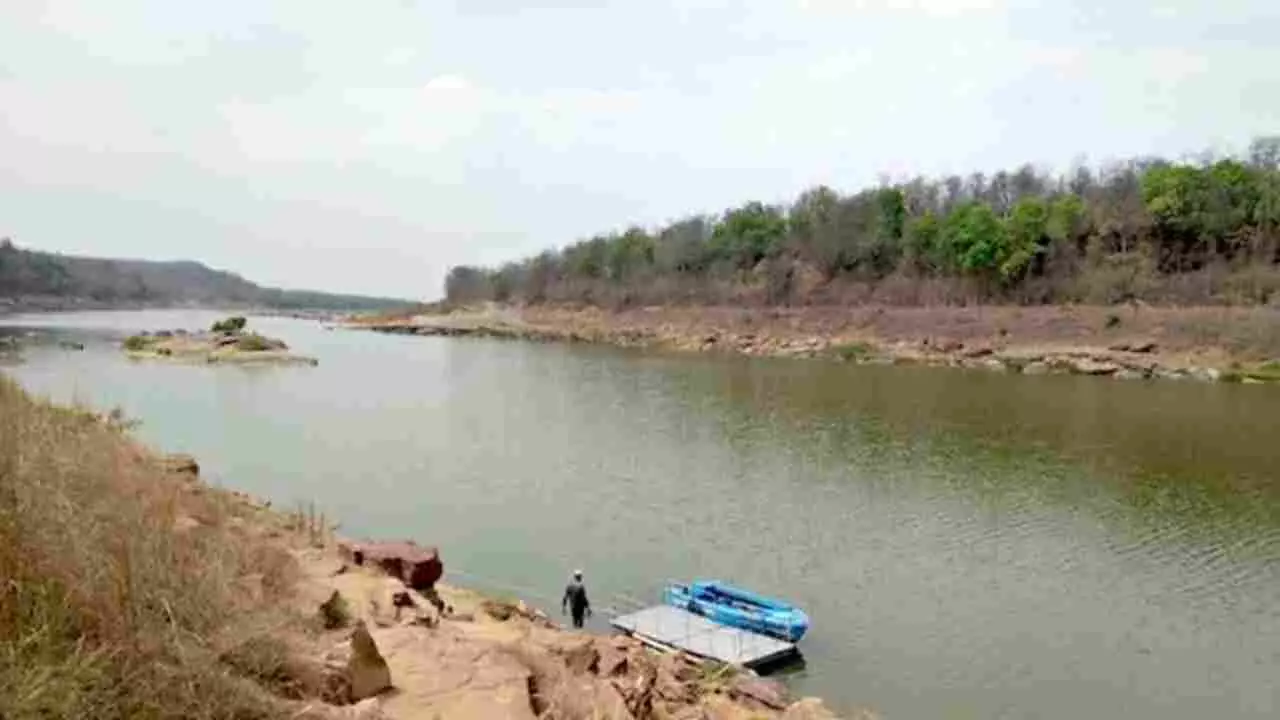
(1141, 347)
(335, 612)
(811, 709)
(418, 567)
(501, 610)
(978, 351)
(1206, 374)
(185, 523)
(612, 661)
(355, 670)
(582, 657)
(1093, 366)
(758, 690)
(180, 464)
(366, 669)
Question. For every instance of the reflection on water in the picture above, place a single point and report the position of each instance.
(968, 544)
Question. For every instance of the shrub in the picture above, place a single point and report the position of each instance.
(254, 343)
(230, 325)
(136, 343)
(852, 351)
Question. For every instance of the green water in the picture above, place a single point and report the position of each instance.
(968, 545)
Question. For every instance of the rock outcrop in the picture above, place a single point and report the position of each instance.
(419, 567)
(356, 670)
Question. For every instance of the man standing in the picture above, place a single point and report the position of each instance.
(575, 599)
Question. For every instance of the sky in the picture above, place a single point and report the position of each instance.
(368, 147)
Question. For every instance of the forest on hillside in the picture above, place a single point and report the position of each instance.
(102, 282)
(1186, 232)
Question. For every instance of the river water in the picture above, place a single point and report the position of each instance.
(969, 545)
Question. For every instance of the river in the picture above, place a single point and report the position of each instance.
(969, 545)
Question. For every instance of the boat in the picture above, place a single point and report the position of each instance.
(733, 606)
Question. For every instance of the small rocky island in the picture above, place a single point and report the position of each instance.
(227, 341)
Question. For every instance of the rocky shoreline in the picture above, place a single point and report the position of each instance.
(221, 345)
(1131, 358)
(398, 643)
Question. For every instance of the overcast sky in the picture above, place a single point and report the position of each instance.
(368, 146)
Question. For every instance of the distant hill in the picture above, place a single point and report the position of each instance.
(30, 278)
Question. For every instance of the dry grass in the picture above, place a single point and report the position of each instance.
(123, 592)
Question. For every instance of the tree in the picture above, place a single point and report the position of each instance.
(748, 234)
(1025, 232)
(976, 239)
(681, 248)
(814, 231)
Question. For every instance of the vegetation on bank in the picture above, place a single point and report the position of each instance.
(227, 340)
(1205, 231)
(112, 606)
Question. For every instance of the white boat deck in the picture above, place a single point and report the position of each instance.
(672, 628)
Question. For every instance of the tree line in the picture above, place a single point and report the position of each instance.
(103, 281)
(1203, 230)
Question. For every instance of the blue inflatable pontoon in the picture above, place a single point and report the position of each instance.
(735, 607)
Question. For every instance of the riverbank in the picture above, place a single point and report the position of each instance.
(176, 598)
(1132, 342)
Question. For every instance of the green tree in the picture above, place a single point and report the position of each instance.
(749, 234)
(975, 237)
(1025, 232)
(922, 239)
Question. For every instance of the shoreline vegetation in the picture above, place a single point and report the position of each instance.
(225, 342)
(134, 589)
(1208, 344)
(1145, 268)
(1195, 232)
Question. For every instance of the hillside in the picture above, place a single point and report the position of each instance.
(36, 280)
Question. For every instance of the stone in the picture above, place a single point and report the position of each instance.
(612, 661)
(185, 523)
(978, 351)
(992, 364)
(947, 345)
(582, 657)
(500, 610)
(811, 709)
(367, 709)
(367, 671)
(1141, 347)
(1130, 374)
(1036, 368)
(1093, 366)
(180, 464)
(1206, 374)
(418, 567)
(335, 612)
(767, 693)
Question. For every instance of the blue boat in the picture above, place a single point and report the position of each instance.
(735, 607)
